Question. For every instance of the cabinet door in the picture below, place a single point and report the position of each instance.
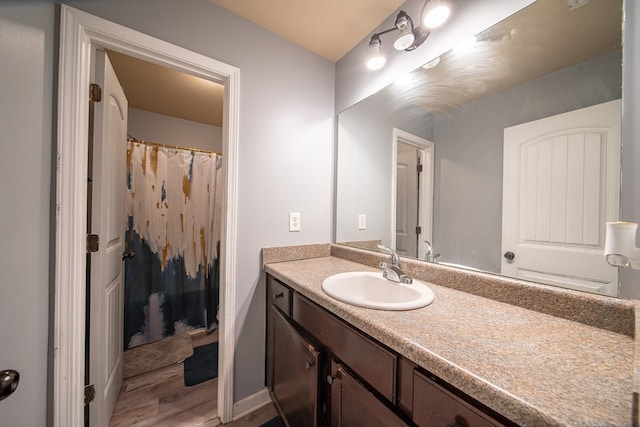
(352, 405)
(295, 374)
(436, 406)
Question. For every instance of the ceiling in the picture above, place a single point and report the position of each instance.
(329, 28)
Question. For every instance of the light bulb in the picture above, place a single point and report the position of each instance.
(465, 45)
(404, 40)
(436, 16)
(376, 62)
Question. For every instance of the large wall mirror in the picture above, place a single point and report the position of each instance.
(501, 155)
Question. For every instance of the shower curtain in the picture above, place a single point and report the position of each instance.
(173, 210)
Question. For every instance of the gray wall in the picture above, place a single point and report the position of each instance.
(631, 134)
(27, 34)
(285, 164)
(162, 129)
(364, 166)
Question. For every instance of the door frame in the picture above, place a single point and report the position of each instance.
(79, 33)
(425, 216)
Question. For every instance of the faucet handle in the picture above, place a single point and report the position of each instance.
(394, 256)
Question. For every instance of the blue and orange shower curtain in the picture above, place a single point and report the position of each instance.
(173, 209)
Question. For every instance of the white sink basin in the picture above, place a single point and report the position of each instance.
(371, 290)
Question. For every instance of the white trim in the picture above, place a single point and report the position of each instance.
(79, 32)
(426, 148)
(251, 403)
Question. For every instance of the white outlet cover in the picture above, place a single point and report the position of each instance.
(294, 221)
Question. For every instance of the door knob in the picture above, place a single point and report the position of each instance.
(509, 255)
(9, 380)
(128, 255)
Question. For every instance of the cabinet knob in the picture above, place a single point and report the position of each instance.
(9, 380)
(309, 364)
(330, 379)
(278, 295)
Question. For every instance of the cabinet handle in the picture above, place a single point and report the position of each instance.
(278, 295)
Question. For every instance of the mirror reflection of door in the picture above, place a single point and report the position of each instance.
(560, 187)
(407, 200)
(413, 193)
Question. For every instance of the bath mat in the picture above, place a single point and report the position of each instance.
(156, 355)
(202, 366)
(275, 422)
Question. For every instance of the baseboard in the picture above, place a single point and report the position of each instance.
(251, 403)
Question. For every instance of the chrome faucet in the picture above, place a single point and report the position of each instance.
(429, 254)
(392, 271)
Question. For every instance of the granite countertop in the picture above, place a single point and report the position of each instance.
(533, 368)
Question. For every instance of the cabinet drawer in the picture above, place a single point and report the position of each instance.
(280, 296)
(433, 405)
(372, 362)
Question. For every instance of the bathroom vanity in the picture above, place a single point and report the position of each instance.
(464, 360)
(320, 368)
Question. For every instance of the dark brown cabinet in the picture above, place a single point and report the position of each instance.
(295, 373)
(353, 405)
(433, 405)
(322, 371)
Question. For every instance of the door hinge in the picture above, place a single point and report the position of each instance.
(95, 92)
(418, 230)
(89, 393)
(93, 242)
(419, 168)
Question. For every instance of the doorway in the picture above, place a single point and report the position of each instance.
(412, 193)
(79, 34)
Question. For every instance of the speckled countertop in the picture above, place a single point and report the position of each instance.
(534, 368)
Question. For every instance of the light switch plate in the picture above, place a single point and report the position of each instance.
(294, 221)
(362, 222)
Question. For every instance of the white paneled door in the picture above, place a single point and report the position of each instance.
(407, 199)
(108, 221)
(561, 184)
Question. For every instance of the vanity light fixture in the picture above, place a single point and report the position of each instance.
(620, 245)
(433, 14)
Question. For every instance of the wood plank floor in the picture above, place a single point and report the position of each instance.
(160, 398)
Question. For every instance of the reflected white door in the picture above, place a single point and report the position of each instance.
(108, 221)
(412, 193)
(561, 184)
(407, 200)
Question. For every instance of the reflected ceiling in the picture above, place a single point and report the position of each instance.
(511, 53)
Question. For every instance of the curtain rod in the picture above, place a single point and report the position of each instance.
(157, 144)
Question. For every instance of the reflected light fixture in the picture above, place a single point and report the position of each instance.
(435, 13)
(409, 36)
